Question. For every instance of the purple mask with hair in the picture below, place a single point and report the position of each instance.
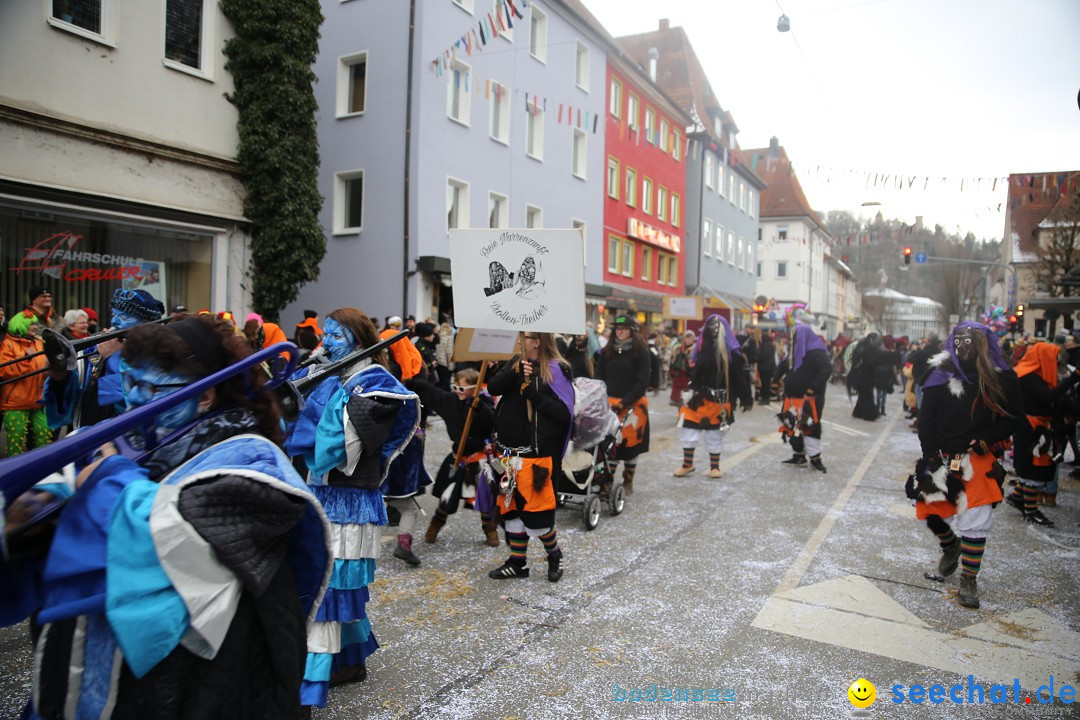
(804, 341)
(729, 337)
(941, 376)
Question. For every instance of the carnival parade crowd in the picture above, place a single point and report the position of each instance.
(201, 538)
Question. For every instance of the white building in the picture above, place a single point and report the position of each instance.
(118, 164)
(888, 312)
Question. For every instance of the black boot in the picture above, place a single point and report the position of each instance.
(950, 558)
(816, 463)
(798, 460)
(508, 570)
(554, 566)
(968, 594)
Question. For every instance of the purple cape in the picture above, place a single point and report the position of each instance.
(940, 376)
(729, 337)
(804, 341)
(565, 392)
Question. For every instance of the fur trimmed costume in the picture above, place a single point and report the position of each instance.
(804, 396)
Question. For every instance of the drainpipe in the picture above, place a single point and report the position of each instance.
(408, 148)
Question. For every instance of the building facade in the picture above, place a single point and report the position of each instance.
(899, 315)
(118, 168)
(484, 114)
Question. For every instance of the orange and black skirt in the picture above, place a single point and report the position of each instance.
(635, 429)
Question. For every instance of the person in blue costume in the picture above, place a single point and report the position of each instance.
(182, 586)
(92, 393)
(354, 424)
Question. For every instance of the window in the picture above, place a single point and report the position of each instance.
(731, 187)
(631, 187)
(613, 244)
(706, 236)
(499, 119)
(615, 100)
(781, 232)
(730, 248)
(749, 257)
(349, 202)
(646, 263)
(742, 196)
(673, 270)
(663, 135)
(498, 211)
(186, 38)
(709, 181)
(579, 153)
(675, 210)
(466, 5)
(632, 111)
(781, 268)
(720, 236)
(738, 253)
(661, 203)
(538, 34)
(759, 270)
(459, 91)
(351, 84)
(534, 217)
(84, 17)
(579, 225)
(581, 67)
(534, 134)
(503, 19)
(646, 196)
(457, 204)
(662, 269)
(676, 146)
(722, 178)
(650, 126)
(626, 266)
(613, 178)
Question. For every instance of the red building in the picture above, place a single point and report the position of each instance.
(645, 187)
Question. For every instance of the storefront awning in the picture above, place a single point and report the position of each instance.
(723, 300)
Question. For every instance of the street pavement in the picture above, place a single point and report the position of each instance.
(774, 588)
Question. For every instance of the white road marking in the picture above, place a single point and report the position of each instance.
(845, 429)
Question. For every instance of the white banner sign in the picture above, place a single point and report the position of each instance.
(529, 279)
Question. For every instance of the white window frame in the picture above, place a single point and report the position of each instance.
(676, 147)
(738, 252)
(534, 211)
(463, 202)
(626, 268)
(615, 98)
(534, 129)
(508, 33)
(661, 269)
(647, 196)
(781, 265)
(663, 135)
(742, 196)
(582, 226)
(344, 82)
(499, 110)
(614, 177)
(630, 187)
(633, 116)
(721, 177)
(465, 88)
(105, 37)
(614, 257)
(673, 270)
(759, 269)
(731, 248)
(731, 188)
(710, 181)
(646, 263)
(581, 69)
(206, 42)
(500, 202)
(538, 27)
(748, 265)
(466, 5)
(706, 237)
(661, 203)
(721, 239)
(752, 203)
(579, 160)
(340, 204)
(650, 125)
(676, 210)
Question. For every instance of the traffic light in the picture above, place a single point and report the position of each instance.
(1020, 310)
(907, 256)
(1012, 322)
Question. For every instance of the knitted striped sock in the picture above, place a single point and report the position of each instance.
(971, 552)
(485, 518)
(1031, 497)
(714, 461)
(612, 467)
(946, 538)
(629, 468)
(551, 542)
(519, 546)
(688, 457)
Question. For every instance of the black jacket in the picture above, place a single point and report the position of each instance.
(550, 425)
(453, 411)
(625, 374)
(949, 423)
(812, 374)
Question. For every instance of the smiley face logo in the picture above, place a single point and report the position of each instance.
(862, 693)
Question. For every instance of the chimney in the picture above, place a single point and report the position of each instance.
(654, 55)
(774, 147)
(665, 24)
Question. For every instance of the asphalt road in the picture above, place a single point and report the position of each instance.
(774, 588)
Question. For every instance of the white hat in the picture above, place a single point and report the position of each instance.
(394, 321)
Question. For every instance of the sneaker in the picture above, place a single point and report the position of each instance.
(968, 594)
(816, 463)
(716, 473)
(509, 570)
(950, 558)
(1036, 517)
(797, 460)
(554, 566)
(684, 471)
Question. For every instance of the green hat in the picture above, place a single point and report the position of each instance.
(626, 321)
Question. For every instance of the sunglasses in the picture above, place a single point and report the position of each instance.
(152, 390)
(461, 388)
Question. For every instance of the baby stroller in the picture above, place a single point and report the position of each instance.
(585, 474)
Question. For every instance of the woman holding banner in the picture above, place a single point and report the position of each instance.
(532, 427)
(624, 366)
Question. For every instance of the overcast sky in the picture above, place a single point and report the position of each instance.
(921, 88)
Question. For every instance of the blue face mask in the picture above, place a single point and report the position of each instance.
(142, 385)
(338, 339)
(122, 321)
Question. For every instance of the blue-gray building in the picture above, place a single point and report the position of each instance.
(489, 113)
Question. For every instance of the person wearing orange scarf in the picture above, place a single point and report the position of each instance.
(1036, 459)
(403, 354)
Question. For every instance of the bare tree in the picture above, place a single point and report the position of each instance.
(1059, 249)
(879, 311)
